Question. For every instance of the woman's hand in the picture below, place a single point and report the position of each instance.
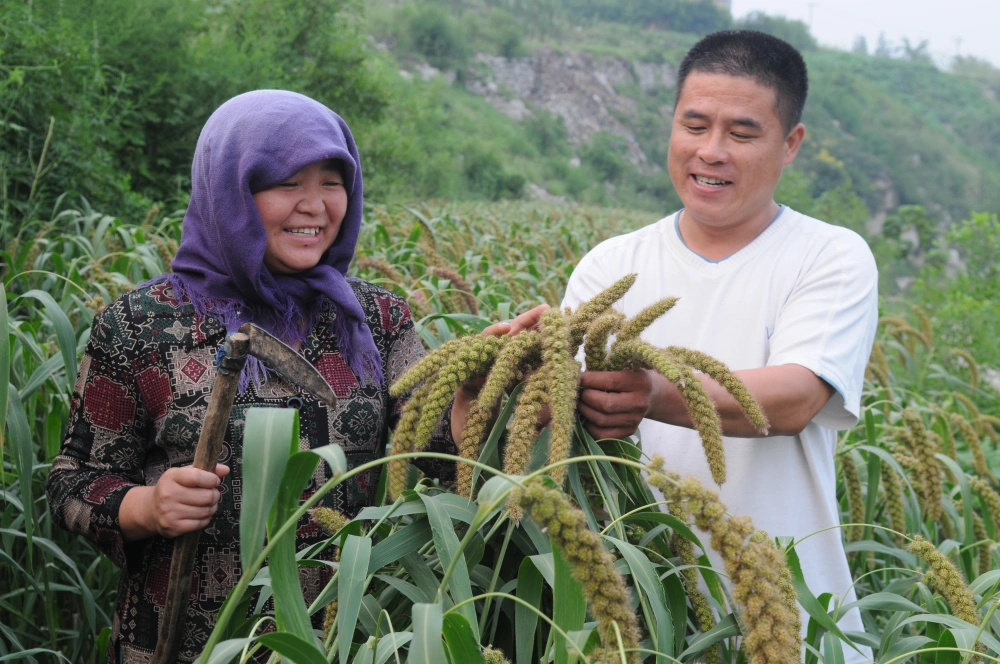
(527, 321)
(182, 500)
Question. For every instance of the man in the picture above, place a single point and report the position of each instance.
(787, 301)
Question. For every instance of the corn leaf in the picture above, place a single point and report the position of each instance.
(353, 572)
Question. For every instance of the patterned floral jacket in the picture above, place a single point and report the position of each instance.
(137, 410)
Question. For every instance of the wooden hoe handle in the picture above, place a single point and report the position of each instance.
(206, 455)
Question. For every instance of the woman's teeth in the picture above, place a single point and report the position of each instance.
(308, 232)
(712, 182)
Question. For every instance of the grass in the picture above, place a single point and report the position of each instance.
(430, 563)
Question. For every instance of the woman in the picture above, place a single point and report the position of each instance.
(275, 211)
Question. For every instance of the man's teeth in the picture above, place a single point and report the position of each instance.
(710, 181)
(310, 232)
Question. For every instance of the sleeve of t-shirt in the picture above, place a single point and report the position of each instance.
(589, 278)
(828, 325)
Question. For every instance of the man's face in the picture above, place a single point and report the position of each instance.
(727, 149)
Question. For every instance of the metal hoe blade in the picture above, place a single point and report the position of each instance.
(284, 360)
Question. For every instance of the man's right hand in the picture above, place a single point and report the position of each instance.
(182, 500)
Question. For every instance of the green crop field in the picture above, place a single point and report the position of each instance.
(594, 570)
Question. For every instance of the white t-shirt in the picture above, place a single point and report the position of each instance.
(803, 292)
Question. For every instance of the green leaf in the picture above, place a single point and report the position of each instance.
(874, 476)
(883, 602)
(723, 629)
(569, 606)
(529, 588)
(446, 543)
(645, 578)
(405, 540)
(461, 640)
(408, 590)
(267, 444)
(227, 651)
(334, 457)
(353, 572)
(4, 373)
(390, 644)
(491, 444)
(293, 648)
(833, 651)
(289, 604)
(808, 601)
(905, 645)
(546, 567)
(65, 337)
(493, 488)
(23, 454)
(948, 640)
(428, 626)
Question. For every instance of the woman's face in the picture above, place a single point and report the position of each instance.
(302, 216)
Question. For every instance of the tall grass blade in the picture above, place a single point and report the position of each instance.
(461, 640)
(428, 625)
(267, 444)
(646, 579)
(293, 648)
(446, 543)
(4, 374)
(569, 604)
(529, 588)
(23, 453)
(65, 337)
(353, 570)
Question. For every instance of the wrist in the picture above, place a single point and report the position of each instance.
(135, 514)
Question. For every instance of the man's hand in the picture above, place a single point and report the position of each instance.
(613, 403)
(182, 500)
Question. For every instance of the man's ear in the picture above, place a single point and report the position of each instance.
(793, 142)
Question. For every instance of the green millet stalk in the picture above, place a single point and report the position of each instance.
(721, 374)
(990, 498)
(507, 366)
(382, 267)
(596, 344)
(970, 363)
(403, 440)
(947, 580)
(494, 656)
(561, 377)
(331, 521)
(468, 362)
(429, 365)
(634, 326)
(591, 565)
(879, 365)
(928, 468)
(762, 581)
(524, 427)
(979, 534)
(476, 424)
(590, 310)
(852, 482)
(893, 502)
(975, 444)
(637, 354)
(969, 404)
(948, 442)
(925, 323)
(458, 283)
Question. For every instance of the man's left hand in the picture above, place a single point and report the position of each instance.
(613, 403)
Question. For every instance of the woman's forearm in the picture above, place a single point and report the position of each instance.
(134, 513)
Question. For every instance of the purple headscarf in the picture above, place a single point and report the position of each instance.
(252, 142)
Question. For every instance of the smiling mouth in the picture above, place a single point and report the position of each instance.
(304, 232)
(710, 182)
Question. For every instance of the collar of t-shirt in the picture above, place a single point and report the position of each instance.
(755, 245)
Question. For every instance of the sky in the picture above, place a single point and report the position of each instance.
(967, 27)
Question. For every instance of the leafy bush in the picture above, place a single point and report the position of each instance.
(792, 31)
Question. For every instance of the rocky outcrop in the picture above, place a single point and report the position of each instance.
(579, 87)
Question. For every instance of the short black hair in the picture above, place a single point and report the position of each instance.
(769, 61)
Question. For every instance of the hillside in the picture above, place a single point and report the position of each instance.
(599, 95)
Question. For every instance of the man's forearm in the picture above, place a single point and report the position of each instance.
(790, 395)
